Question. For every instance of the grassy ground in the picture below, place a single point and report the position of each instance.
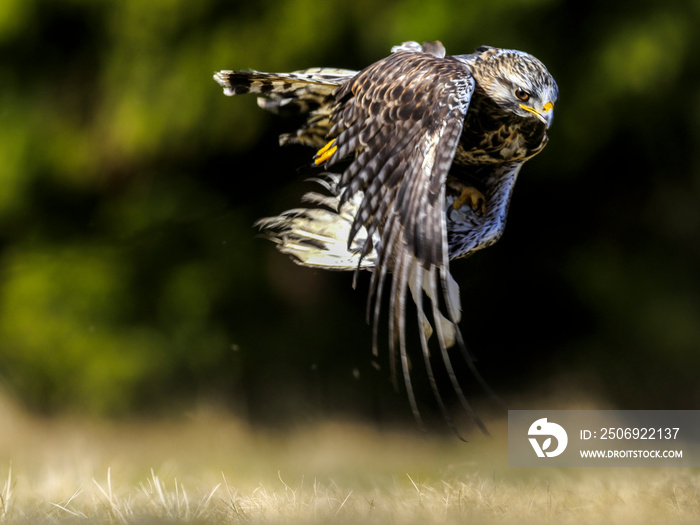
(206, 467)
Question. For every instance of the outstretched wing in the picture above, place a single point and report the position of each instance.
(402, 118)
(298, 93)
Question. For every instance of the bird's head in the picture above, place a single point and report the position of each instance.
(517, 82)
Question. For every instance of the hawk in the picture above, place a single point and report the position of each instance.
(427, 148)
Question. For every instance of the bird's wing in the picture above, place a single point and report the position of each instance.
(402, 118)
(292, 93)
(301, 92)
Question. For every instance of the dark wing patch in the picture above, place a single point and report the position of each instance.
(402, 118)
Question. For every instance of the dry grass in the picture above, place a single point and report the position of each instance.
(207, 468)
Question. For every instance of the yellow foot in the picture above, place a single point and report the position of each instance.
(325, 153)
(476, 199)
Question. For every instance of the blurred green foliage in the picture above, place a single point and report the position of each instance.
(131, 277)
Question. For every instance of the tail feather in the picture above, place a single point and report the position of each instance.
(318, 236)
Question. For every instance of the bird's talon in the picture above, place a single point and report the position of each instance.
(472, 196)
(325, 153)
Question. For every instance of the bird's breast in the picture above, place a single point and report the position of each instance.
(491, 136)
(506, 143)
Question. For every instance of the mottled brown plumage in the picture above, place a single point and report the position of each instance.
(435, 144)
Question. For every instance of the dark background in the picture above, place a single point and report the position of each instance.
(132, 280)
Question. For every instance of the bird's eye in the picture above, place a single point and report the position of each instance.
(521, 94)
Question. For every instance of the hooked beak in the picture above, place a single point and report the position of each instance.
(545, 116)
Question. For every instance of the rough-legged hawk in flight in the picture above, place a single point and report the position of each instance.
(433, 145)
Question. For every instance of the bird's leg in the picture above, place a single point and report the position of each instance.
(472, 196)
